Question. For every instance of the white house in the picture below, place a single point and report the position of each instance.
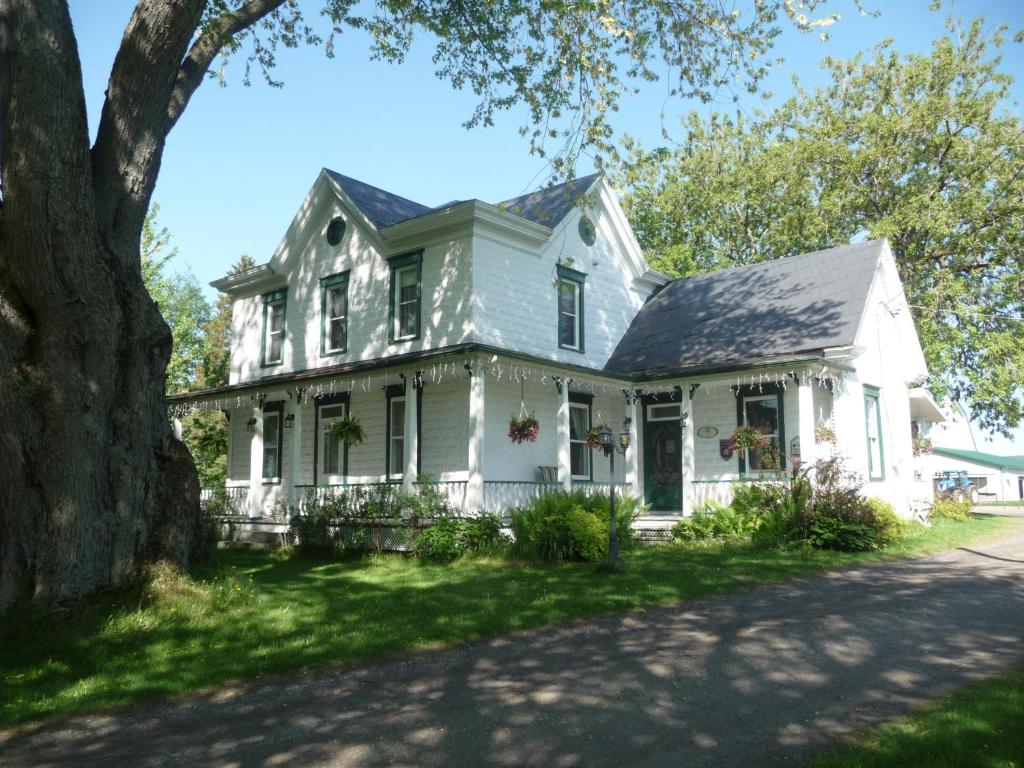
(434, 326)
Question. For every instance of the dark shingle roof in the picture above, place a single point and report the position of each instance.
(549, 206)
(778, 309)
(382, 208)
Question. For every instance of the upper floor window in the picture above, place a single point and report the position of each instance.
(873, 427)
(334, 314)
(570, 308)
(406, 278)
(273, 326)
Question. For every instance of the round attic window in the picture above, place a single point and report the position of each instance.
(335, 230)
(587, 232)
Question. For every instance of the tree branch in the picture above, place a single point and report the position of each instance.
(202, 53)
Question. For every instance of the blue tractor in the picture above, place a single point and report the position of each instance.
(956, 485)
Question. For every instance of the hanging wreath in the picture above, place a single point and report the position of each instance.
(523, 429)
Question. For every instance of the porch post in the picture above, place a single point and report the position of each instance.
(411, 443)
(805, 413)
(631, 454)
(256, 463)
(688, 457)
(475, 476)
(564, 461)
(295, 457)
(176, 427)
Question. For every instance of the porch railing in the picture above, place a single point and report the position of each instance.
(721, 491)
(501, 496)
(310, 495)
(233, 498)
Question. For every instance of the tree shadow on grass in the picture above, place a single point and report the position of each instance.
(752, 677)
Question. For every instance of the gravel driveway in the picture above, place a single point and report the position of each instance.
(758, 677)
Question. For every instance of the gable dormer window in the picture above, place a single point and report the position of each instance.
(334, 314)
(570, 308)
(406, 279)
(273, 326)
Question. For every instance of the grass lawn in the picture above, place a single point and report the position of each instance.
(245, 614)
(980, 726)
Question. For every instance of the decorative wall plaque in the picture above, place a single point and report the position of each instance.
(707, 431)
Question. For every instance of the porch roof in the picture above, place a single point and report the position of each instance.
(795, 306)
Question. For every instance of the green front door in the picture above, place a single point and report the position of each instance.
(663, 458)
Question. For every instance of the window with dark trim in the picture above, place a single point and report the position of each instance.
(580, 422)
(330, 455)
(272, 441)
(405, 294)
(570, 308)
(762, 407)
(334, 314)
(873, 430)
(274, 327)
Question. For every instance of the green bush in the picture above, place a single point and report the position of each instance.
(951, 510)
(551, 529)
(841, 535)
(887, 525)
(715, 521)
(588, 536)
(452, 537)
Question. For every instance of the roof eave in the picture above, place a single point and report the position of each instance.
(240, 281)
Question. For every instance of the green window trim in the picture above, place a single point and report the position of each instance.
(396, 264)
(318, 403)
(580, 399)
(567, 274)
(275, 407)
(759, 391)
(874, 395)
(327, 284)
(274, 298)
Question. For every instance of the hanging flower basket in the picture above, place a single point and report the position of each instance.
(921, 444)
(348, 429)
(748, 439)
(823, 433)
(594, 437)
(523, 429)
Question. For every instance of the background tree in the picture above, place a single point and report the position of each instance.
(94, 483)
(182, 305)
(920, 149)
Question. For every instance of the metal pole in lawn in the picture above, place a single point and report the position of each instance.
(606, 441)
(613, 531)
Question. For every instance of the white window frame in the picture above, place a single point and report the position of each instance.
(324, 422)
(392, 438)
(272, 448)
(575, 315)
(277, 305)
(414, 269)
(775, 398)
(581, 440)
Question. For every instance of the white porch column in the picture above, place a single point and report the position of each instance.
(564, 461)
(475, 476)
(634, 447)
(688, 453)
(176, 427)
(256, 464)
(806, 416)
(295, 456)
(411, 443)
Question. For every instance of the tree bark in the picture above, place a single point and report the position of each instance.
(93, 484)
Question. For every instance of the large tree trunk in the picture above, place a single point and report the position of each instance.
(92, 482)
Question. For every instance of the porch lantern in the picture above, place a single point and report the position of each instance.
(250, 425)
(289, 421)
(606, 440)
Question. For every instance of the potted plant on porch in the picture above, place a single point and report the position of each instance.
(523, 428)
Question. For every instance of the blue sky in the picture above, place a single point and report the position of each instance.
(239, 162)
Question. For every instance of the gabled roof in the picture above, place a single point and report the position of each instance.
(382, 208)
(991, 459)
(546, 206)
(549, 206)
(793, 307)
